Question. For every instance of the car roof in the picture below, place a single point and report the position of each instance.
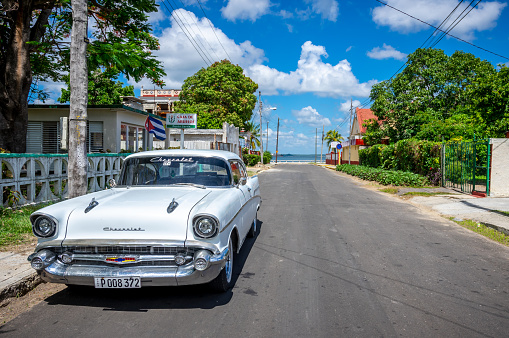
(227, 155)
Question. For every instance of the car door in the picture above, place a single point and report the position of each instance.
(240, 175)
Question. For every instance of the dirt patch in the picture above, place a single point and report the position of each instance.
(10, 308)
(27, 246)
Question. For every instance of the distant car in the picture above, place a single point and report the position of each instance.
(175, 217)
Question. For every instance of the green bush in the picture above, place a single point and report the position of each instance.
(417, 156)
(267, 156)
(251, 159)
(383, 176)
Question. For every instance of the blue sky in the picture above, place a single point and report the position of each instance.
(311, 57)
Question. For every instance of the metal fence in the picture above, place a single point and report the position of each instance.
(466, 166)
(35, 178)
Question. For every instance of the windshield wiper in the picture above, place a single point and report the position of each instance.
(192, 185)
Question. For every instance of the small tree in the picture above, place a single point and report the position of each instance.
(332, 136)
(102, 88)
(219, 93)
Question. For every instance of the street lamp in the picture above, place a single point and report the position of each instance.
(261, 131)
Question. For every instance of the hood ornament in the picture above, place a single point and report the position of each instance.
(92, 205)
(173, 205)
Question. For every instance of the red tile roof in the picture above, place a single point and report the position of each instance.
(362, 116)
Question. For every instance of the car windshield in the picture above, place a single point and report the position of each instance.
(168, 170)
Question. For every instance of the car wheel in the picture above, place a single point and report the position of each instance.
(223, 281)
(254, 227)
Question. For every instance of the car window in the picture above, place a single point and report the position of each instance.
(166, 170)
(238, 170)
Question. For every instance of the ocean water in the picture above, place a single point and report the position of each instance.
(297, 157)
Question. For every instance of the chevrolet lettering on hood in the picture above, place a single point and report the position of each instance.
(123, 229)
(173, 217)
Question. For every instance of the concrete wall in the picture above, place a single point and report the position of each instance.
(499, 183)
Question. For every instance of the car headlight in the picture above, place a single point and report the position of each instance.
(44, 226)
(205, 226)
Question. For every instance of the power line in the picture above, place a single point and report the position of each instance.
(451, 28)
(177, 13)
(199, 3)
(413, 17)
(203, 35)
(190, 38)
(432, 44)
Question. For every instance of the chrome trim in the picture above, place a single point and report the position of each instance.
(150, 275)
(238, 212)
(198, 216)
(139, 258)
(92, 205)
(120, 242)
(36, 215)
(173, 205)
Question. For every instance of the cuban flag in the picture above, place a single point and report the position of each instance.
(155, 126)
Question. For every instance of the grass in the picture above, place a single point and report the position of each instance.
(503, 212)
(424, 193)
(390, 190)
(15, 226)
(484, 230)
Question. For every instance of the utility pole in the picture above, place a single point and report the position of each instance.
(261, 132)
(267, 131)
(350, 134)
(277, 137)
(78, 102)
(316, 140)
(321, 150)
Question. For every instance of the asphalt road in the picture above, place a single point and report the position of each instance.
(331, 259)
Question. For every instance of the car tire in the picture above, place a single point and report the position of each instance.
(224, 281)
(254, 227)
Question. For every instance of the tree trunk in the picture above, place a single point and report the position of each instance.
(16, 71)
(78, 102)
(15, 81)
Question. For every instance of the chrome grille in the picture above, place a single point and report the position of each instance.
(128, 250)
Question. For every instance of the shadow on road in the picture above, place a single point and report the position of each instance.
(144, 299)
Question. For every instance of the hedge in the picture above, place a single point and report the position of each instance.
(417, 156)
(383, 176)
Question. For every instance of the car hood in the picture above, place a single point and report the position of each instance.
(135, 213)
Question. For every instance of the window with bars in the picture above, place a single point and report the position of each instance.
(43, 137)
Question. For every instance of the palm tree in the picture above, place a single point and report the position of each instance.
(332, 136)
(253, 132)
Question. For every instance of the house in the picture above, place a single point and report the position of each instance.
(351, 147)
(110, 128)
(121, 128)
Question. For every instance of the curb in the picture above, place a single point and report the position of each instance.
(495, 227)
(21, 287)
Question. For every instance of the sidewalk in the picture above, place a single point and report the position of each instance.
(461, 206)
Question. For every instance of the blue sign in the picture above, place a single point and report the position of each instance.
(339, 146)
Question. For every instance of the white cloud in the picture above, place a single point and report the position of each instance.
(345, 106)
(181, 60)
(311, 117)
(245, 9)
(483, 17)
(328, 9)
(311, 76)
(386, 52)
(349, 49)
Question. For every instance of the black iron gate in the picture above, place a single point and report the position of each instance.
(466, 166)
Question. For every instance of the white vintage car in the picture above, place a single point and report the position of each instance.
(175, 217)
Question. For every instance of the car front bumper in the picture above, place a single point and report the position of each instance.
(58, 272)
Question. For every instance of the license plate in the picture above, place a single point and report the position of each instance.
(117, 282)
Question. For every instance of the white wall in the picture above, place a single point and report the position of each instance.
(499, 183)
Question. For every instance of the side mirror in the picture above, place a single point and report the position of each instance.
(112, 183)
(243, 181)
